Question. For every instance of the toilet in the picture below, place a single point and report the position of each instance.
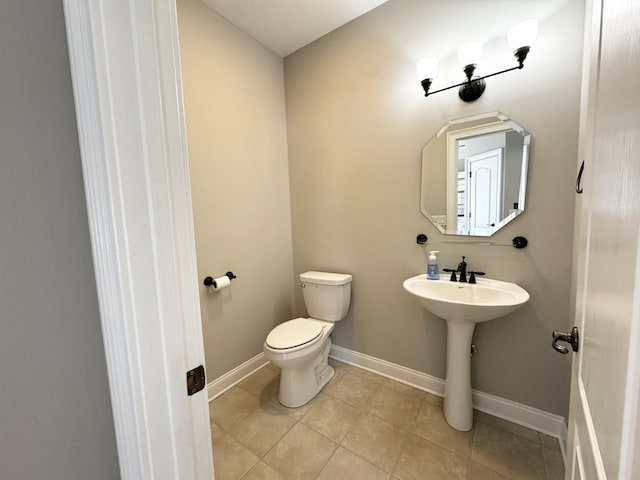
(300, 347)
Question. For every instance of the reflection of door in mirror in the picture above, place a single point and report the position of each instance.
(474, 174)
(482, 206)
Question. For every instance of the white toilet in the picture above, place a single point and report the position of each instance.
(300, 347)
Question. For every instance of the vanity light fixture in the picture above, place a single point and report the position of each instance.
(520, 39)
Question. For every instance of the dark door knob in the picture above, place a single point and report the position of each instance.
(572, 338)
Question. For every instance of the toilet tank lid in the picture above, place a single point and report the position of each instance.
(325, 278)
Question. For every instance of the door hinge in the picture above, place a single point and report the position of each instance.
(195, 380)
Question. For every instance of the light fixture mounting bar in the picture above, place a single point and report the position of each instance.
(476, 79)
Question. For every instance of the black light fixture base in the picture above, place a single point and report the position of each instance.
(521, 54)
(426, 84)
(472, 89)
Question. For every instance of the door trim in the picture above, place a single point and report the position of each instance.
(128, 97)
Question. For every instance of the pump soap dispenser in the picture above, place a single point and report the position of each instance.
(433, 271)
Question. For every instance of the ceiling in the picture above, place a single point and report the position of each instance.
(284, 26)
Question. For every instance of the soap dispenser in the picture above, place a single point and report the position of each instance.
(433, 271)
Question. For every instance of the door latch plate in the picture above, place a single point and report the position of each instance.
(195, 380)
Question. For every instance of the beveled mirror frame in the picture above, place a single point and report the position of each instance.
(439, 198)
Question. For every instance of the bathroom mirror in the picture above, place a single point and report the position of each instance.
(474, 175)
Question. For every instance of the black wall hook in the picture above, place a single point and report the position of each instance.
(579, 179)
(520, 242)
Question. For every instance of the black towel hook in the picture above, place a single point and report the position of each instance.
(579, 179)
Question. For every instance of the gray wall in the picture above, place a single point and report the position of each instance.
(55, 413)
(237, 140)
(357, 123)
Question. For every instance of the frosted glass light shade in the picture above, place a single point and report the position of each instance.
(427, 68)
(470, 53)
(522, 34)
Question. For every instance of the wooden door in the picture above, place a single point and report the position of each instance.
(483, 191)
(604, 417)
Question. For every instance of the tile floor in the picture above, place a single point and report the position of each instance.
(366, 427)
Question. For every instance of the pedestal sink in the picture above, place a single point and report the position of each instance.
(463, 305)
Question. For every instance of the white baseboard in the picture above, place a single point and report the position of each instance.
(221, 384)
(390, 370)
(533, 418)
(563, 442)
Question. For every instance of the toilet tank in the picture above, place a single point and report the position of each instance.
(326, 295)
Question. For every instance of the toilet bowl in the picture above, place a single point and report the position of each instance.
(300, 347)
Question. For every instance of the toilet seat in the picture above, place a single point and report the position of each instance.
(298, 332)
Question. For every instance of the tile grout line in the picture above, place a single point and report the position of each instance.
(362, 411)
(404, 446)
(363, 408)
(328, 460)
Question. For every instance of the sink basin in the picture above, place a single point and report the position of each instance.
(463, 305)
(486, 300)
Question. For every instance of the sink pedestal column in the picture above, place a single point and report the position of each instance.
(458, 410)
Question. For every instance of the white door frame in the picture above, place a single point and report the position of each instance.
(126, 78)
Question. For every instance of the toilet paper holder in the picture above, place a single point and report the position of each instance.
(210, 282)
